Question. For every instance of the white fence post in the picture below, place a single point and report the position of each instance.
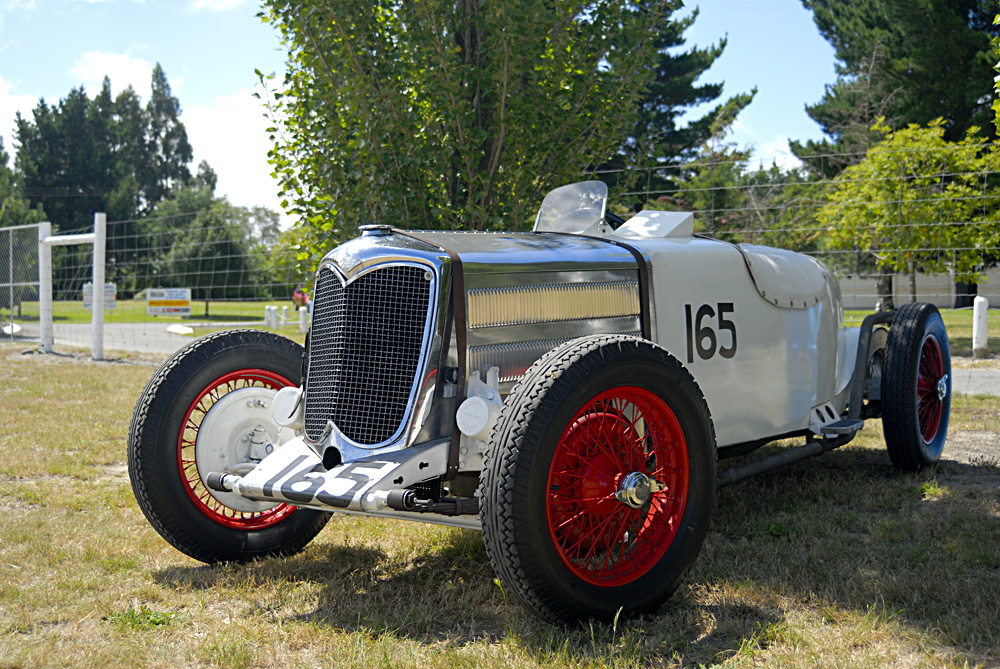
(271, 317)
(284, 315)
(45, 286)
(980, 326)
(97, 315)
(45, 243)
(303, 319)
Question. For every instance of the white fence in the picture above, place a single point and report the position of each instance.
(18, 280)
(236, 269)
(940, 290)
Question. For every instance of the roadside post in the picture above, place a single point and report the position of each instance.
(980, 326)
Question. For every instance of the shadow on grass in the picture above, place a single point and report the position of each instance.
(842, 540)
(847, 530)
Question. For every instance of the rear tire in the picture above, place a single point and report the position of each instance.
(195, 411)
(916, 387)
(598, 416)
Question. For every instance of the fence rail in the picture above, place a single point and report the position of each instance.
(934, 236)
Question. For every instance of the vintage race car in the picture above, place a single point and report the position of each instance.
(567, 391)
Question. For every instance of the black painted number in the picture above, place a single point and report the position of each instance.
(702, 336)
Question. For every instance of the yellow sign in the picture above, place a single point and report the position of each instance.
(168, 301)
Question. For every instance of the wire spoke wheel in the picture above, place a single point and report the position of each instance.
(599, 480)
(603, 540)
(208, 408)
(930, 372)
(916, 387)
(187, 444)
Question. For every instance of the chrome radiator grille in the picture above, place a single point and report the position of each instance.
(364, 351)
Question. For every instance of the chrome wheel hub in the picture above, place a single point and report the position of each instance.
(635, 489)
(942, 388)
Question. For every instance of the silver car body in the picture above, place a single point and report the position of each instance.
(411, 329)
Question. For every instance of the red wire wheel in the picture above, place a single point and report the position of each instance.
(602, 540)
(199, 413)
(599, 480)
(930, 372)
(916, 387)
(202, 497)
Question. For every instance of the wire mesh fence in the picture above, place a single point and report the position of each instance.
(18, 282)
(923, 231)
(912, 224)
(175, 277)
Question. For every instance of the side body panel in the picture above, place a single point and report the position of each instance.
(761, 367)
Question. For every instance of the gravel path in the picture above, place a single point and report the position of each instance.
(975, 381)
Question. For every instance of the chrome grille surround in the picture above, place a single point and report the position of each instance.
(368, 349)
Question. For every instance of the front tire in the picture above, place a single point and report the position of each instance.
(599, 481)
(916, 387)
(200, 412)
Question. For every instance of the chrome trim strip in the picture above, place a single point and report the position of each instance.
(525, 305)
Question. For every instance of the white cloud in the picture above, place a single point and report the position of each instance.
(776, 152)
(215, 5)
(10, 104)
(121, 68)
(231, 135)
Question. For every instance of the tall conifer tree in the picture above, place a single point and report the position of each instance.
(909, 61)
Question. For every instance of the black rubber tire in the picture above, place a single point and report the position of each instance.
(154, 452)
(911, 442)
(516, 528)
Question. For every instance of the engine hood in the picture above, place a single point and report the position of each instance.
(487, 253)
(524, 293)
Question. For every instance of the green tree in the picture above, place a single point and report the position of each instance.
(452, 114)
(109, 154)
(710, 186)
(290, 260)
(14, 209)
(916, 203)
(996, 79)
(212, 257)
(658, 138)
(205, 243)
(75, 157)
(168, 149)
(907, 61)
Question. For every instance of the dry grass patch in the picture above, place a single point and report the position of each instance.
(837, 561)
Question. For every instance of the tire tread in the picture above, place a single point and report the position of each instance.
(500, 471)
(899, 411)
(148, 417)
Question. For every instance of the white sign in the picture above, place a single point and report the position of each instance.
(110, 296)
(168, 301)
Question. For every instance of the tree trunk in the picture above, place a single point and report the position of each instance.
(883, 284)
(911, 271)
(965, 293)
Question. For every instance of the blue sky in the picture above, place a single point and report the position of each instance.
(210, 49)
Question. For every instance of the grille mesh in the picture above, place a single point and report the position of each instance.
(364, 351)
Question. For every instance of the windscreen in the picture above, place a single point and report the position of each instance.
(572, 208)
